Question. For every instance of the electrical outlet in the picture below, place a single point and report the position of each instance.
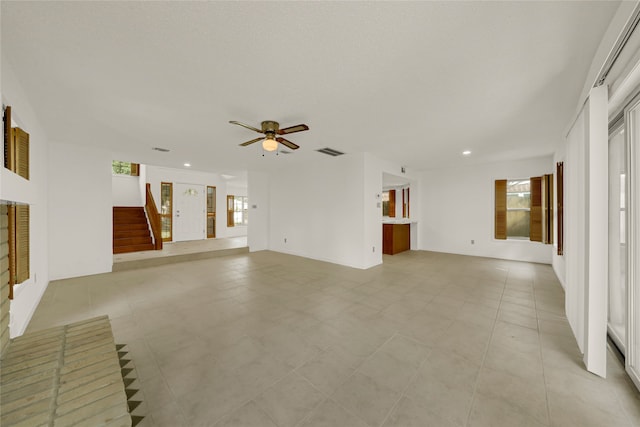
(374, 249)
(473, 242)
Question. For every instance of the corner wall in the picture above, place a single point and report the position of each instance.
(33, 192)
(80, 211)
(457, 206)
(317, 207)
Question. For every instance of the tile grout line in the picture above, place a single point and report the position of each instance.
(353, 373)
(544, 376)
(486, 351)
(404, 391)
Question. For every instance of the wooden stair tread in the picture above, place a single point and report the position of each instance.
(130, 230)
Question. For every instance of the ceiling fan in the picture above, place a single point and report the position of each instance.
(270, 129)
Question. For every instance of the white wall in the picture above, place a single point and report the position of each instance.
(259, 197)
(318, 208)
(125, 191)
(80, 211)
(457, 206)
(372, 215)
(156, 175)
(34, 192)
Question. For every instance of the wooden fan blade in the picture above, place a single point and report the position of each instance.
(287, 143)
(244, 144)
(233, 122)
(292, 129)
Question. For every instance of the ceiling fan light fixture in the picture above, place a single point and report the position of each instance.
(270, 144)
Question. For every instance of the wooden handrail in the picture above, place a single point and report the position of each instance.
(154, 219)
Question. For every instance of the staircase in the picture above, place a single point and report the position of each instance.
(130, 230)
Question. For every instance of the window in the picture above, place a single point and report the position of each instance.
(166, 211)
(523, 209)
(125, 168)
(385, 203)
(405, 203)
(389, 203)
(237, 207)
(211, 212)
(518, 208)
(240, 208)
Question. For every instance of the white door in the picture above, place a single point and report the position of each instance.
(189, 215)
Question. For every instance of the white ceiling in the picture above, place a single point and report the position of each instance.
(413, 82)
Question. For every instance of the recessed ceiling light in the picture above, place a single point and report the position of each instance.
(466, 152)
(188, 165)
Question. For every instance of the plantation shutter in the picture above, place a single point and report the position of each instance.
(21, 152)
(535, 220)
(392, 203)
(8, 139)
(22, 243)
(547, 209)
(230, 222)
(500, 226)
(560, 205)
(18, 245)
(135, 169)
(11, 212)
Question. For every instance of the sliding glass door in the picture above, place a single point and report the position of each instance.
(632, 213)
(617, 318)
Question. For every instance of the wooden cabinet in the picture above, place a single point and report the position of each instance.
(396, 238)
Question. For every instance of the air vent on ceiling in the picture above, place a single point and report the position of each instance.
(163, 150)
(330, 152)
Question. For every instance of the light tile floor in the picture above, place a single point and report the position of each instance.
(426, 339)
(184, 248)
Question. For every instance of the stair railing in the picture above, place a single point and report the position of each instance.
(154, 219)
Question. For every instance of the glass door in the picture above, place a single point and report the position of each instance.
(632, 203)
(166, 211)
(617, 316)
(211, 212)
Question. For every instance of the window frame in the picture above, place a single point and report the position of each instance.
(134, 168)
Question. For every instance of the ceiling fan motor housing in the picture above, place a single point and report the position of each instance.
(270, 126)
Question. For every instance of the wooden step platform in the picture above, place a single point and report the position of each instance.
(64, 376)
